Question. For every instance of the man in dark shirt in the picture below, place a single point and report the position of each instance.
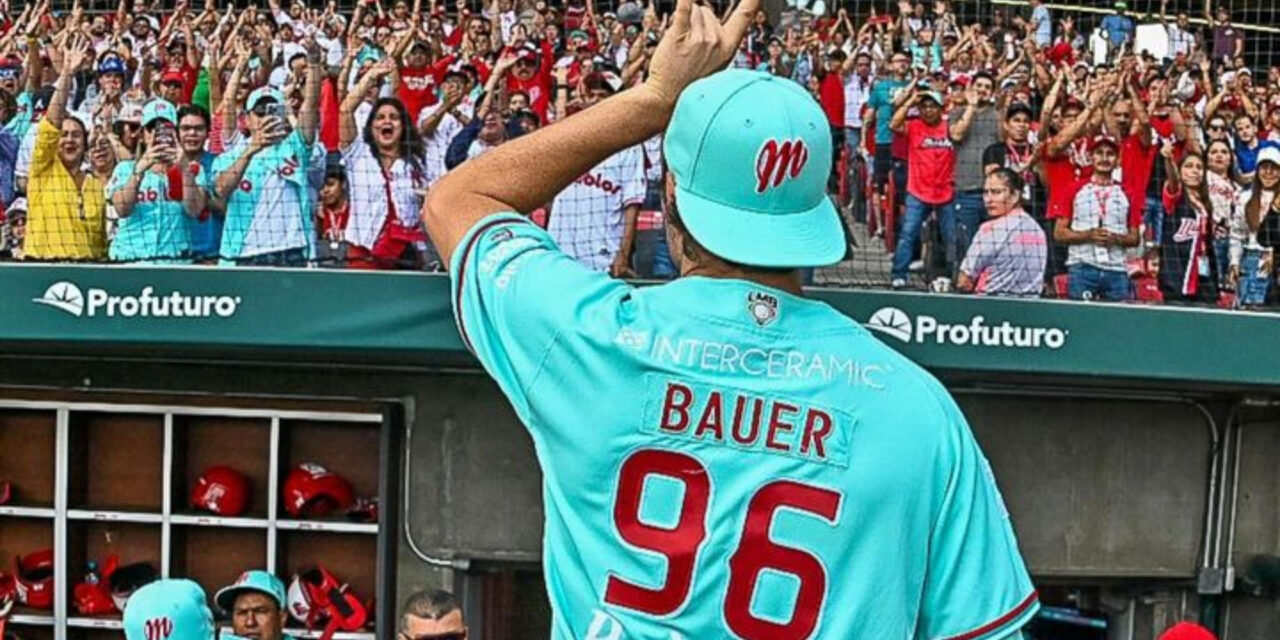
(1228, 39)
(977, 128)
(1017, 154)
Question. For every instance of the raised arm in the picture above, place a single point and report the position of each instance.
(552, 157)
(1051, 102)
(309, 116)
(899, 122)
(348, 129)
(230, 102)
(192, 48)
(35, 30)
(961, 127)
(76, 55)
(1072, 131)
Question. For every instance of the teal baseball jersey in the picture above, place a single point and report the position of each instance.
(270, 211)
(158, 227)
(726, 460)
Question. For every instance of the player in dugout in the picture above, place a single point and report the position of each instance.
(723, 457)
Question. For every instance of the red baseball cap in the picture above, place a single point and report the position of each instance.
(1187, 631)
(1103, 140)
(173, 75)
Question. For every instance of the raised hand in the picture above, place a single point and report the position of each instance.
(271, 132)
(504, 64)
(77, 53)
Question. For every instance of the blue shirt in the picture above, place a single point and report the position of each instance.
(725, 460)
(1246, 158)
(1118, 28)
(206, 228)
(157, 227)
(9, 144)
(881, 100)
(1044, 25)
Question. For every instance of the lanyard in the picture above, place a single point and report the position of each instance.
(1017, 160)
(1103, 196)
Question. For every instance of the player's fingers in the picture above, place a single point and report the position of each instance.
(697, 22)
(680, 20)
(739, 21)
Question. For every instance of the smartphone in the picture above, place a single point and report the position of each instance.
(280, 111)
(165, 134)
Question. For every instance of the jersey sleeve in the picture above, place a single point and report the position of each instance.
(45, 151)
(981, 249)
(514, 295)
(976, 585)
(119, 177)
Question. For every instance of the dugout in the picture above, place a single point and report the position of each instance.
(1134, 445)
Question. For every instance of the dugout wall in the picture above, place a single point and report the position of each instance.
(1134, 445)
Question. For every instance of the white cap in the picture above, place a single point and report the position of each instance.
(1270, 153)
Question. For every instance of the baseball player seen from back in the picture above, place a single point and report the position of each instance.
(722, 457)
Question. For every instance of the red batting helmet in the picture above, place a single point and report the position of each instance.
(8, 593)
(312, 490)
(316, 596)
(222, 490)
(34, 576)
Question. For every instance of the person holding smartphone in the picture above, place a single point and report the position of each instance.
(157, 194)
(262, 178)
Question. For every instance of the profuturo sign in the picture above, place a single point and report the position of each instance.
(975, 332)
(146, 303)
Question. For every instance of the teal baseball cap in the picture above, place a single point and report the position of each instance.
(257, 580)
(260, 94)
(169, 609)
(751, 153)
(159, 109)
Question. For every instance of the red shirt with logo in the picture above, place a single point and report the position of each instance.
(1064, 174)
(932, 160)
(418, 89)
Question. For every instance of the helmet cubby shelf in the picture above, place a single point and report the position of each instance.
(199, 492)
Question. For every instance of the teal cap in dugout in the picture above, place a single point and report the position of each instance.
(256, 580)
(169, 610)
(751, 154)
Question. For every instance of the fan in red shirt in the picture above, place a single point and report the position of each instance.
(180, 69)
(931, 178)
(1067, 165)
(419, 79)
(831, 96)
(1128, 121)
(532, 75)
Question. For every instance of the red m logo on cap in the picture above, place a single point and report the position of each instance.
(778, 161)
(158, 628)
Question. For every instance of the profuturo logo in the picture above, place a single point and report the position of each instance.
(891, 321)
(65, 296)
(68, 297)
(927, 329)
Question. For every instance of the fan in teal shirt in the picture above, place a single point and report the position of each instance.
(881, 100)
(156, 196)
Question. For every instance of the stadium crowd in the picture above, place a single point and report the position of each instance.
(1003, 150)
